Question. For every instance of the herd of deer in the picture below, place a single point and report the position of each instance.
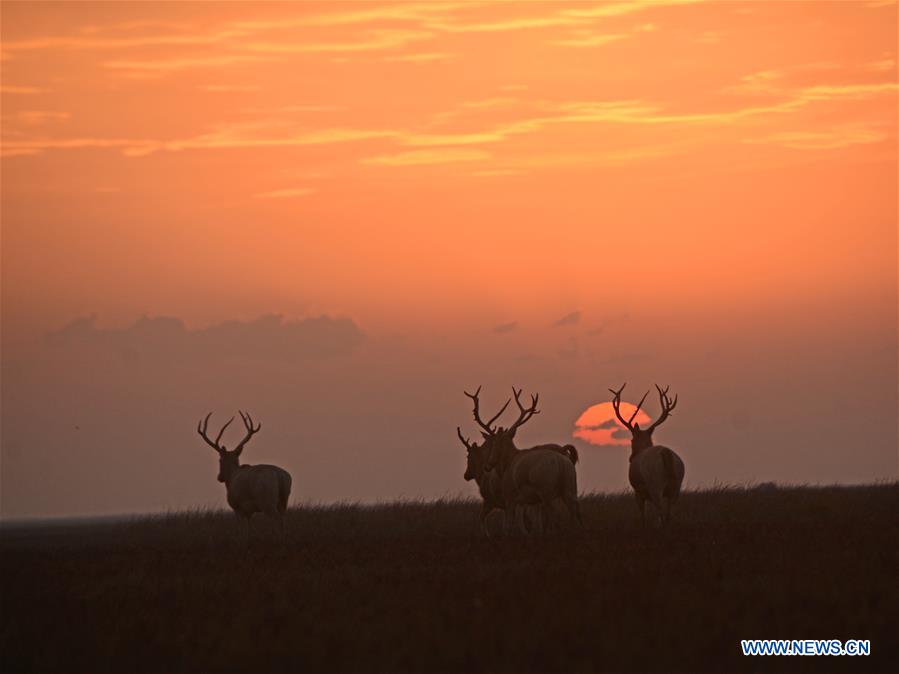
(526, 484)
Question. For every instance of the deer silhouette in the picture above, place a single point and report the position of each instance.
(250, 489)
(656, 472)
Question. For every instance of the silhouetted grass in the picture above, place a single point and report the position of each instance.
(412, 587)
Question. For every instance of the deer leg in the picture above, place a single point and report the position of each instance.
(641, 504)
(574, 510)
(539, 522)
(666, 510)
(485, 510)
(520, 512)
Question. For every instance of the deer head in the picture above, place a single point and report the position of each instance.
(229, 461)
(641, 438)
(476, 458)
(498, 441)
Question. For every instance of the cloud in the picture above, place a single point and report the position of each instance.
(230, 88)
(286, 193)
(605, 425)
(374, 41)
(156, 67)
(504, 328)
(38, 117)
(828, 139)
(267, 337)
(568, 319)
(585, 41)
(10, 89)
(421, 157)
(424, 57)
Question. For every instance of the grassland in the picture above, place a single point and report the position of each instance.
(412, 587)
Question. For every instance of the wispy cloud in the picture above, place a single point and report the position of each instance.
(225, 137)
(572, 318)
(421, 157)
(424, 57)
(374, 41)
(117, 42)
(586, 41)
(288, 193)
(828, 92)
(883, 65)
(505, 328)
(156, 67)
(230, 88)
(11, 89)
(38, 117)
(830, 139)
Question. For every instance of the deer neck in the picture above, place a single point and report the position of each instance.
(640, 445)
(507, 452)
(231, 474)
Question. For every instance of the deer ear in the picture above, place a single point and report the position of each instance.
(637, 426)
(237, 451)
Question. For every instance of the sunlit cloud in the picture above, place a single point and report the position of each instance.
(589, 40)
(227, 137)
(762, 82)
(832, 139)
(623, 8)
(412, 12)
(239, 136)
(287, 193)
(883, 65)
(487, 173)
(155, 67)
(375, 41)
(230, 88)
(421, 157)
(101, 43)
(424, 57)
(536, 22)
(10, 89)
(826, 92)
(38, 117)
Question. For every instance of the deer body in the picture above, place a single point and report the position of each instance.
(259, 489)
(250, 489)
(490, 483)
(536, 476)
(517, 478)
(655, 472)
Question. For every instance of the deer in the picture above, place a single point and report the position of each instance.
(656, 472)
(250, 489)
(488, 482)
(535, 476)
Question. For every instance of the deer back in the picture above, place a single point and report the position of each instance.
(259, 488)
(656, 471)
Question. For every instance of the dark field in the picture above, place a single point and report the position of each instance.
(413, 587)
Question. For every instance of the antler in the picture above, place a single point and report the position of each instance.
(251, 430)
(203, 426)
(469, 445)
(667, 406)
(524, 414)
(616, 405)
(477, 417)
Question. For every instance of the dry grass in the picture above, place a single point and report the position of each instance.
(412, 587)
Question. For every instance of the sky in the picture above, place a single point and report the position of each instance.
(339, 216)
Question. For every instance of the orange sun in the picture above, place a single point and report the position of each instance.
(599, 426)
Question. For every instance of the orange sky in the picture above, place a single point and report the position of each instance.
(459, 173)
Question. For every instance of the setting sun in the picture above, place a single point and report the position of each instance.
(599, 426)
